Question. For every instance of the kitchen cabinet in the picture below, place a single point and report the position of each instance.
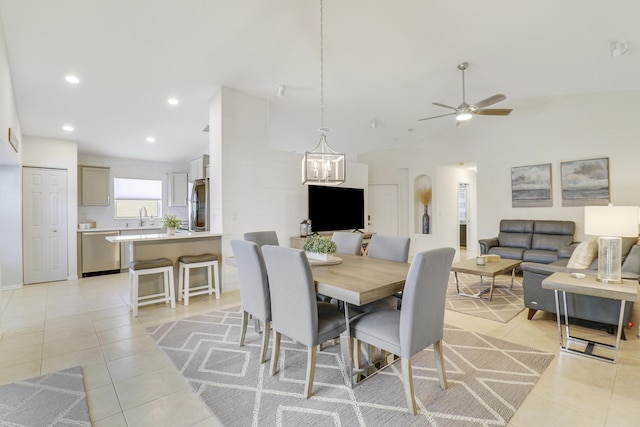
(95, 186)
(177, 189)
(198, 168)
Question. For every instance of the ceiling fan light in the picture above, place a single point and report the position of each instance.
(463, 116)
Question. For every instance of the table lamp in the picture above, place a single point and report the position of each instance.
(610, 224)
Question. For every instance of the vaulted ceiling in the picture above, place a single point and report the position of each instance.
(384, 61)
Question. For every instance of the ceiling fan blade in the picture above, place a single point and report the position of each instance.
(443, 105)
(490, 101)
(435, 117)
(494, 111)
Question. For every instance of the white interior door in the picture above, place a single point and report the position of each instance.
(44, 219)
(383, 209)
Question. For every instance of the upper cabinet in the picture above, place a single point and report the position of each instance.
(177, 189)
(95, 186)
(199, 168)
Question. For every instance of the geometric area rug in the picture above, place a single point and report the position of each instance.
(56, 399)
(488, 379)
(504, 306)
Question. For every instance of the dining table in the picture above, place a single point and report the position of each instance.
(356, 281)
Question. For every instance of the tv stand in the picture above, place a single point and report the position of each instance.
(297, 242)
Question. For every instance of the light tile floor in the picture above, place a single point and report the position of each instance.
(130, 382)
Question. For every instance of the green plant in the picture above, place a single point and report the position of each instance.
(319, 244)
(171, 221)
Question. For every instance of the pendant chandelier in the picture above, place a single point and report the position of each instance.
(323, 165)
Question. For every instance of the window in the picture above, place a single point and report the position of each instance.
(131, 195)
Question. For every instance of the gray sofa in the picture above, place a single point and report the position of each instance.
(530, 240)
(594, 309)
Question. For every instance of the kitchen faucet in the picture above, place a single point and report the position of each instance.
(145, 214)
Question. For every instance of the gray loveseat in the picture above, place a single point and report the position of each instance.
(530, 240)
(594, 309)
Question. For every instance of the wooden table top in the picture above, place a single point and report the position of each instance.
(491, 269)
(627, 290)
(359, 279)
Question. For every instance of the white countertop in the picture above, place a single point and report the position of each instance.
(163, 236)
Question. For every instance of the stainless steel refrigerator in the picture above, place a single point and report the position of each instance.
(199, 205)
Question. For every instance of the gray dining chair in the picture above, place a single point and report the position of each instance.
(254, 290)
(392, 248)
(262, 237)
(294, 309)
(420, 321)
(348, 242)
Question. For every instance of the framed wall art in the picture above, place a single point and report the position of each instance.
(531, 186)
(585, 182)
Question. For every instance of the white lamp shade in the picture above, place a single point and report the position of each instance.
(618, 221)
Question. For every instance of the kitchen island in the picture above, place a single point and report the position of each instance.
(172, 246)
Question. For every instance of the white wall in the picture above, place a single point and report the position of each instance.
(254, 186)
(58, 154)
(129, 168)
(539, 130)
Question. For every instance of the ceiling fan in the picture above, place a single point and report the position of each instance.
(465, 111)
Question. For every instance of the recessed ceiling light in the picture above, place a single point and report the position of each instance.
(67, 128)
(173, 101)
(150, 139)
(72, 79)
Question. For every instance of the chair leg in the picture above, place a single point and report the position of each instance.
(531, 313)
(172, 289)
(243, 327)
(180, 280)
(407, 376)
(265, 342)
(216, 280)
(275, 352)
(311, 369)
(356, 352)
(187, 274)
(442, 373)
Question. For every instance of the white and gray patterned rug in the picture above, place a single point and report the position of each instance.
(504, 306)
(488, 379)
(56, 399)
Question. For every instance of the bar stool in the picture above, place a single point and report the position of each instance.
(187, 262)
(139, 268)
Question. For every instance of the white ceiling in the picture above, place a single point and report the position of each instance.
(384, 60)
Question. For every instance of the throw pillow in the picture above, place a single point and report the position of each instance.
(583, 255)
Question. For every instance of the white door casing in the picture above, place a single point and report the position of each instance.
(44, 219)
(383, 209)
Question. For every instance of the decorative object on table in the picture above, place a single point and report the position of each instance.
(323, 165)
(481, 260)
(585, 182)
(531, 186)
(319, 247)
(610, 224)
(170, 223)
(305, 228)
(14, 141)
(424, 195)
(190, 343)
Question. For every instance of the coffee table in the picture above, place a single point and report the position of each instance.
(489, 269)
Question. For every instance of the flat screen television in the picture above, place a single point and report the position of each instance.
(336, 208)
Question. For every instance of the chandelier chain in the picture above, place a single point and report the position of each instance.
(321, 65)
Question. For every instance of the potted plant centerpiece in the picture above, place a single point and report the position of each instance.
(318, 247)
(171, 222)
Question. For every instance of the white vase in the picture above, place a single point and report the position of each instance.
(171, 231)
(320, 256)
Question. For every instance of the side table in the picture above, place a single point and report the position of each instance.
(565, 282)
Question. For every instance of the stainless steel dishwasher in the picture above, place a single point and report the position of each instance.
(99, 256)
